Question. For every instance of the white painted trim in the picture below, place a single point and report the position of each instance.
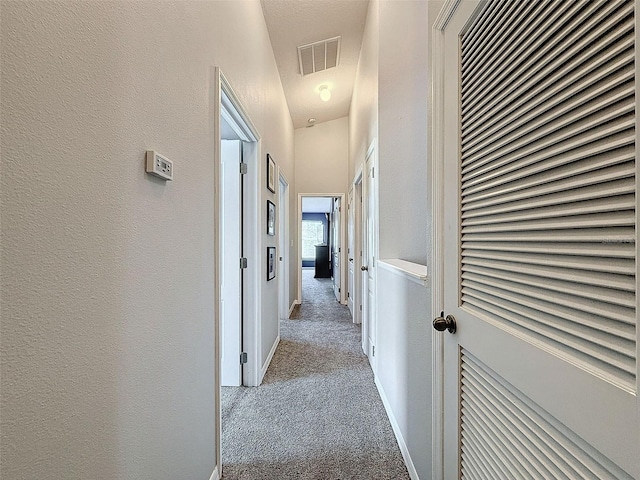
(215, 87)
(447, 11)
(357, 185)
(436, 103)
(414, 272)
(293, 305)
(284, 230)
(265, 367)
(219, 84)
(215, 475)
(397, 432)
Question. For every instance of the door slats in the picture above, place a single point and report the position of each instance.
(531, 442)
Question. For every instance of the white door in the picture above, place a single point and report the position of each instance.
(368, 266)
(336, 248)
(283, 251)
(230, 245)
(540, 253)
(351, 231)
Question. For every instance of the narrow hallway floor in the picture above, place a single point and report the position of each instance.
(317, 414)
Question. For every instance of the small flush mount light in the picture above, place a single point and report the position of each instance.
(311, 121)
(325, 93)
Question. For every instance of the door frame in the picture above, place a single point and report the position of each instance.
(284, 308)
(357, 185)
(353, 216)
(369, 314)
(435, 137)
(343, 241)
(224, 103)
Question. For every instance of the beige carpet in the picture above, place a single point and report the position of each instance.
(318, 414)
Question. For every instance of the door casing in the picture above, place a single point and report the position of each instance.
(343, 241)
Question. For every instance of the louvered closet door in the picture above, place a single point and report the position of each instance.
(540, 240)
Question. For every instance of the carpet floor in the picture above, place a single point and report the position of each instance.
(317, 414)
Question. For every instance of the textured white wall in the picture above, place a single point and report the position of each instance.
(390, 103)
(107, 272)
(363, 115)
(403, 361)
(402, 115)
(322, 156)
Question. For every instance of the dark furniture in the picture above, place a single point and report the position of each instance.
(323, 263)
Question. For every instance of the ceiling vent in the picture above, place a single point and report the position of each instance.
(319, 56)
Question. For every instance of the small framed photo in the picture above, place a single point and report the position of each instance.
(271, 263)
(271, 218)
(271, 174)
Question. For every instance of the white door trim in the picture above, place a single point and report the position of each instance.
(372, 250)
(436, 102)
(283, 243)
(223, 99)
(343, 241)
(357, 259)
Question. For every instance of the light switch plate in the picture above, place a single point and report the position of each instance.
(159, 165)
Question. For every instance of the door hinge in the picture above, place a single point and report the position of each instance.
(243, 262)
(338, 290)
(243, 358)
(360, 307)
(243, 168)
(373, 352)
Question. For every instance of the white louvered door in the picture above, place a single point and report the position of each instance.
(540, 240)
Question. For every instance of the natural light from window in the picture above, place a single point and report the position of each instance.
(312, 235)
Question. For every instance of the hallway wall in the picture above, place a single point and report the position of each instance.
(390, 105)
(108, 273)
(363, 113)
(322, 156)
(402, 128)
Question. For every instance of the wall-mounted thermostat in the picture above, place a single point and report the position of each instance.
(159, 165)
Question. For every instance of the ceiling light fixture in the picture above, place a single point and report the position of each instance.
(325, 93)
(311, 121)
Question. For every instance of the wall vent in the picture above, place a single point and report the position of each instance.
(319, 56)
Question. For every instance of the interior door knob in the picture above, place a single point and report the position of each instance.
(447, 323)
(364, 268)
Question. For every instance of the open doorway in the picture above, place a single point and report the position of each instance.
(321, 240)
(237, 244)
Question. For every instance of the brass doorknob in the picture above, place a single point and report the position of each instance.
(447, 323)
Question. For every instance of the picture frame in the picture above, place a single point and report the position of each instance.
(271, 218)
(271, 263)
(271, 174)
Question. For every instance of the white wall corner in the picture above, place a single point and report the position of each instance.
(397, 432)
(268, 360)
(293, 305)
(215, 475)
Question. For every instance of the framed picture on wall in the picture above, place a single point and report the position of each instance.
(271, 218)
(271, 263)
(271, 174)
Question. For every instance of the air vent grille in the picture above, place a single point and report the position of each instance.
(319, 56)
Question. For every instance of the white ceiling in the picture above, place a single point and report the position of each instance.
(292, 23)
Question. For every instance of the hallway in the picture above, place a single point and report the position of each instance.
(318, 414)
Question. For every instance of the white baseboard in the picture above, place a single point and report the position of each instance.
(215, 475)
(293, 305)
(396, 430)
(268, 361)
